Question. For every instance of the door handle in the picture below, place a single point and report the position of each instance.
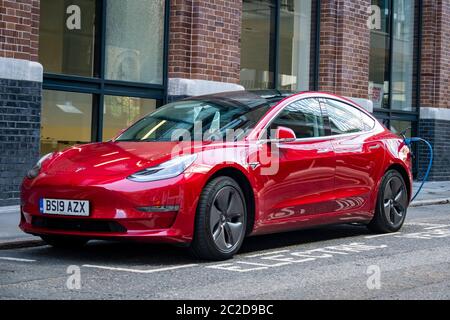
(375, 147)
(323, 151)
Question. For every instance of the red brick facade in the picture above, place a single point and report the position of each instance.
(345, 47)
(19, 29)
(205, 40)
(435, 78)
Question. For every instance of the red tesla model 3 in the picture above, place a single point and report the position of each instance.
(206, 172)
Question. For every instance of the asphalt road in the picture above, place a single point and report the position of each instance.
(342, 262)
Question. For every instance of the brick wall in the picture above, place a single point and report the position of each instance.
(20, 108)
(345, 47)
(437, 132)
(19, 29)
(205, 40)
(435, 78)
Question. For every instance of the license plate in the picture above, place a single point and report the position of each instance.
(77, 208)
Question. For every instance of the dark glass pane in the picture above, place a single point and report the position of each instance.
(258, 44)
(403, 55)
(296, 44)
(135, 40)
(67, 37)
(66, 120)
(379, 72)
(122, 112)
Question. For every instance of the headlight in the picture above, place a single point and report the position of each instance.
(166, 170)
(34, 172)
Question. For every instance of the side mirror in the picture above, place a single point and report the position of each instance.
(285, 135)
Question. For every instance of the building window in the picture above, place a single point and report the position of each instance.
(66, 120)
(122, 112)
(257, 44)
(128, 57)
(104, 67)
(278, 44)
(393, 56)
(67, 41)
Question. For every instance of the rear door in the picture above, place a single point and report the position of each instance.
(357, 153)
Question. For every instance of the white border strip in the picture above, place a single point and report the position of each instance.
(435, 113)
(192, 87)
(21, 70)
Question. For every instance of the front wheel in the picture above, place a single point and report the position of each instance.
(392, 204)
(221, 220)
(64, 242)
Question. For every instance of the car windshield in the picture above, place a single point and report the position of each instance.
(212, 118)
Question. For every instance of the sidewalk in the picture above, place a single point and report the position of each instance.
(11, 236)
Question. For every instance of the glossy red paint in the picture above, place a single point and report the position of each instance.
(319, 181)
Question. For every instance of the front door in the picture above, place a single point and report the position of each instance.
(302, 186)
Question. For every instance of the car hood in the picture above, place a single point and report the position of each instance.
(111, 158)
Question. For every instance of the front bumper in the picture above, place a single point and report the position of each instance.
(116, 210)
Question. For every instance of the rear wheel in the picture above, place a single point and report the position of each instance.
(64, 242)
(221, 220)
(392, 204)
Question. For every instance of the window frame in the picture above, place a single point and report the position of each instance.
(98, 86)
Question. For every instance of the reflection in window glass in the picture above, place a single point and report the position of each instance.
(197, 120)
(295, 44)
(403, 55)
(134, 40)
(122, 112)
(379, 72)
(66, 120)
(258, 44)
(66, 40)
(304, 117)
(401, 126)
(344, 118)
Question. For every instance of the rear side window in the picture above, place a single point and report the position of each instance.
(345, 119)
(304, 117)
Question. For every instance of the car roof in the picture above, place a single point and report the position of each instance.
(249, 98)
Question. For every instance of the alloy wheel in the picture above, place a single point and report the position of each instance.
(395, 201)
(227, 218)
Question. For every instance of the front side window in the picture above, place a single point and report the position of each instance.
(304, 117)
(345, 119)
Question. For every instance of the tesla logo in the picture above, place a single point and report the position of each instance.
(374, 21)
(74, 280)
(73, 21)
(374, 280)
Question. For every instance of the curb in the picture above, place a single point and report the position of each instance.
(433, 202)
(21, 243)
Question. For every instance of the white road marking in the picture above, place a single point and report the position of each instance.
(266, 254)
(382, 235)
(438, 227)
(16, 259)
(140, 271)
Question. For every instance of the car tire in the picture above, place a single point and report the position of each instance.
(64, 242)
(221, 220)
(392, 204)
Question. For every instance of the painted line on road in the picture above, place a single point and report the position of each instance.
(140, 271)
(265, 254)
(438, 227)
(382, 235)
(16, 259)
